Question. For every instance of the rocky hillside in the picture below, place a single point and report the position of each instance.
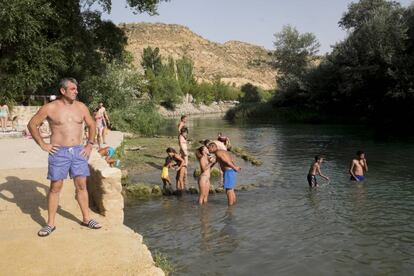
(235, 62)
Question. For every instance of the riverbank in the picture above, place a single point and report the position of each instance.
(218, 108)
(71, 249)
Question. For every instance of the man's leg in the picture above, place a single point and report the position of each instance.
(231, 197)
(82, 196)
(53, 201)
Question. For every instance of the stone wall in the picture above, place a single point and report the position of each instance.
(194, 109)
(24, 114)
(105, 188)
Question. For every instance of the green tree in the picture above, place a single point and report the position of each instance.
(151, 61)
(185, 75)
(294, 51)
(42, 41)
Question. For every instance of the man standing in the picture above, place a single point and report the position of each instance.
(229, 170)
(66, 152)
(359, 166)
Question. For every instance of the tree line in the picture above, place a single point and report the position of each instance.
(366, 78)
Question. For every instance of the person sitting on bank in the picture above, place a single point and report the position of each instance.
(359, 167)
(108, 153)
(314, 170)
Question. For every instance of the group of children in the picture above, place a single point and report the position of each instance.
(210, 153)
(358, 168)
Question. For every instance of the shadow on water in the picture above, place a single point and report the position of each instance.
(29, 199)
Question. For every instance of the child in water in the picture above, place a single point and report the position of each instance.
(169, 163)
(315, 169)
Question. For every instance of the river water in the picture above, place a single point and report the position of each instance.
(283, 227)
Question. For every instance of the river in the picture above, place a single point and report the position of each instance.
(283, 227)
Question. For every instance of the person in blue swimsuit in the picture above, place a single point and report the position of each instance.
(229, 169)
(359, 167)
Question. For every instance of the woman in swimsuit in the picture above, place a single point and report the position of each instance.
(100, 125)
(204, 178)
(4, 114)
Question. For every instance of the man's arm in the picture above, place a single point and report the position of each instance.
(320, 173)
(225, 158)
(90, 123)
(33, 127)
(106, 116)
(351, 170)
(365, 165)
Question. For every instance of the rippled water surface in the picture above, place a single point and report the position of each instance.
(283, 227)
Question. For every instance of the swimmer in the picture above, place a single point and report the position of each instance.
(358, 167)
(169, 163)
(202, 154)
(315, 169)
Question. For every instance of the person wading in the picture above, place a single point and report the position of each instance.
(66, 152)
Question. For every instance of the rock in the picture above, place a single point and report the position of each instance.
(192, 190)
(156, 190)
(215, 172)
(256, 162)
(197, 172)
(138, 190)
(219, 190)
(124, 174)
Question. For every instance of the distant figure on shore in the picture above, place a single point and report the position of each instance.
(182, 141)
(225, 140)
(359, 167)
(314, 170)
(4, 115)
(204, 178)
(67, 154)
(229, 169)
(105, 120)
(100, 125)
(182, 123)
(181, 167)
(169, 163)
(108, 153)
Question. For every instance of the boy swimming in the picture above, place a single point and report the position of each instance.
(315, 169)
(358, 167)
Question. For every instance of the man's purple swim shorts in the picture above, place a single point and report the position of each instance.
(67, 160)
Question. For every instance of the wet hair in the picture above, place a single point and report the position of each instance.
(360, 152)
(318, 157)
(183, 117)
(184, 130)
(63, 83)
(212, 145)
(199, 152)
(205, 142)
(168, 160)
(171, 150)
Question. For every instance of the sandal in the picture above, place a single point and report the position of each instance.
(46, 231)
(92, 224)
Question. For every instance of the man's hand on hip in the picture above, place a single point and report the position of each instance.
(52, 149)
(86, 151)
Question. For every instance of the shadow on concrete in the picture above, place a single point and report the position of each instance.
(29, 199)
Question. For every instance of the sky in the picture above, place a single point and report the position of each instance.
(253, 21)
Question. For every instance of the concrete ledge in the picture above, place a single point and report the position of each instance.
(105, 189)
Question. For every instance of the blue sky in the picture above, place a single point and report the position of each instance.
(253, 21)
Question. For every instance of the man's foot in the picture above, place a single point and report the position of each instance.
(92, 224)
(46, 231)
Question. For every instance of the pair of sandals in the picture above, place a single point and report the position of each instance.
(47, 229)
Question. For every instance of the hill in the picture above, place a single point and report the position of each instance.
(234, 62)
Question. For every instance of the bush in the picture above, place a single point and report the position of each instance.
(253, 94)
(139, 118)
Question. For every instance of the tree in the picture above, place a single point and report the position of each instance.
(185, 75)
(42, 41)
(294, 51)
(151, 61)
